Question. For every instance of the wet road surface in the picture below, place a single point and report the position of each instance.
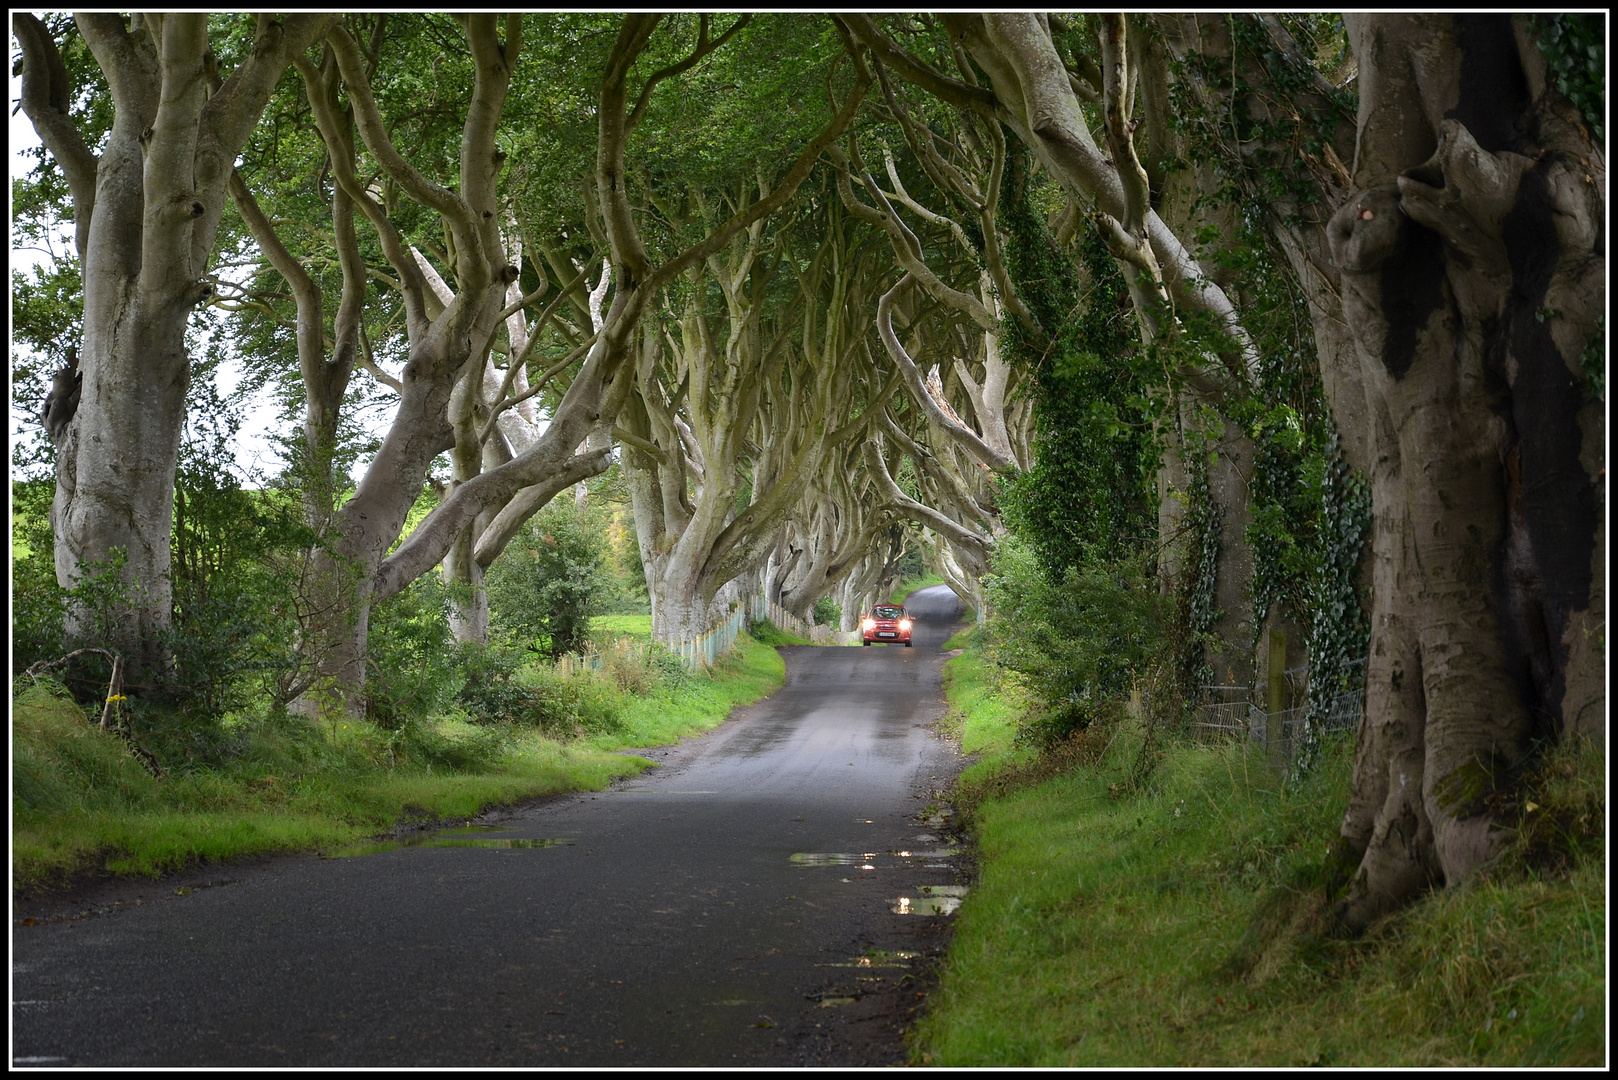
(735, 906)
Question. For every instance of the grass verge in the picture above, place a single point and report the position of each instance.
(83, 805)
(1180, 921)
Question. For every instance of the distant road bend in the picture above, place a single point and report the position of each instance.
(735, 906)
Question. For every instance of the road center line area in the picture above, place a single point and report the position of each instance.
(701, 913)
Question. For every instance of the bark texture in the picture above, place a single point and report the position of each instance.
(1471, 255)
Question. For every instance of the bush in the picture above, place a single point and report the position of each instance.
(545, 587)
(497, 690)
(642, 671)
(1079, 643)
(36, 599)
(412, 668)
(827, 612)
(233, 627)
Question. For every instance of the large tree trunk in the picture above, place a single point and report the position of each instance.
(146, 212)
(1473, 276)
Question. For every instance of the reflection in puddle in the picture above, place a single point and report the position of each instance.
(879, 958)
(863, 861)
(944, 890)
(830, 858)
(926, 905)
(470, 836)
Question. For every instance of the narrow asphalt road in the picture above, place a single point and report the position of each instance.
(734, 906)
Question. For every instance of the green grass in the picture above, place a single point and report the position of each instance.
(82, 803)
(749, 672)
(613, 627)
(1180, 922)
(909, 585)
(984, 705)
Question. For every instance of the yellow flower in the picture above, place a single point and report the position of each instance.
(118, 697)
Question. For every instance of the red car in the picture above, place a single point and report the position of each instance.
(887, 622)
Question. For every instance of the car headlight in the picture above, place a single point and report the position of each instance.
(904, 624)
(869, 624)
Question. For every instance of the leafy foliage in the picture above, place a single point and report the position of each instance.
(411, 666)
(544, 589)
(36, 602)
(1087, 498)
(827, 612)
(1574, 46)
(497, 690)
(1080, 641)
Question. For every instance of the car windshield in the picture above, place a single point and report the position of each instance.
(890, 612)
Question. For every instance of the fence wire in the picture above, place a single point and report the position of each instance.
(1230, 713)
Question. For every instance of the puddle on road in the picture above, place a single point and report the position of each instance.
(470, 836)
(878, 958)
(831, 858)
(863, 861)
(934, 900)
(926, 905)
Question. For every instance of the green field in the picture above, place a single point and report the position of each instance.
(613, 627)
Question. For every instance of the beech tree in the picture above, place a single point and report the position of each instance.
(802, 384)
(730, 385)
(146, 209)
(1009, 71)
(1474, 282)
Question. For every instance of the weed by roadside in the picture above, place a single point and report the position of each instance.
(766, 632)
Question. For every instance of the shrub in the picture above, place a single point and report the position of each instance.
(412, 668)
(827, 612)
(36, 599)
(639, 672)
(544, 589)
(497, 690)
(1080, 643)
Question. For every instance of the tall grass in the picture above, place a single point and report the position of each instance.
(1182, 922)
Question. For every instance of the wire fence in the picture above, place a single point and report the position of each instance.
(700, 652)
(1230, 712)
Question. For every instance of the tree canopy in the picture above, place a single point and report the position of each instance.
(1188, 338)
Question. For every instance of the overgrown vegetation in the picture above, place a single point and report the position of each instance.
(1081, 641)
(1183, 921)
(555, 575)
(264, 781)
